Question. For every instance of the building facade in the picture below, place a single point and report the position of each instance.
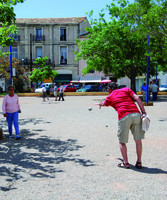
(51, 37)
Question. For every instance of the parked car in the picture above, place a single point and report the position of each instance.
(89, 88)
(68, 88)
(39, 90)
(77, 86)
(163, 88)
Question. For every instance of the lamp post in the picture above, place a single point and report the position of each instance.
(147, 96)
(156, 75)
(11, 70)
(22, 61)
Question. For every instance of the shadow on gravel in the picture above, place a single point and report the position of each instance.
(35, 156)
(145, 169)
(24, 122)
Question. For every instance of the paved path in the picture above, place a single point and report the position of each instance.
(68, 153)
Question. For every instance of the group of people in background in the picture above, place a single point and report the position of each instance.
(153, 87)
(46, 92)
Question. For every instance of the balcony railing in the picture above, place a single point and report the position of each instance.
(63, 61)
(38, 38)
(27, 61)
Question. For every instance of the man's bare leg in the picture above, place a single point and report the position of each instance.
(139, 152)
(123, 149)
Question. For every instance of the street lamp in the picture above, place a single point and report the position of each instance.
(22, 61)
(147, 96)
(11, 70)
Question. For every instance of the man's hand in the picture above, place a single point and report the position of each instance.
(5, 114)
(144, 114)
(100, 105)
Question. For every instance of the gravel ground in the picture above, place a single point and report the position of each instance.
(70, 153)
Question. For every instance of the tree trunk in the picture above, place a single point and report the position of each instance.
(133, 83)
(133, 79)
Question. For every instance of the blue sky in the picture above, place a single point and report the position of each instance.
(59, 8)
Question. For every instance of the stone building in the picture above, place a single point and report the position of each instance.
(51, 37)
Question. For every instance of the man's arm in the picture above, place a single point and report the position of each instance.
(139, 102)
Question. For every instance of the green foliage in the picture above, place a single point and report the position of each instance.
(7, 20)
(42, 71)
(120, 45)
(20, 78)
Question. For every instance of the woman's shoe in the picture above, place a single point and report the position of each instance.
(18, 137)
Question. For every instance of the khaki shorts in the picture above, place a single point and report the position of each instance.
(134, 123)
(55, 93)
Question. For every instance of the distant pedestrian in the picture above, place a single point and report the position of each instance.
(154, 89)
(44, 93)
(61, 93)
(129, 118)
(100, 87)
(11, 108)
(47, 91)
(144, 90)
(55, 91)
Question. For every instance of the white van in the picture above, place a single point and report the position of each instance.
(39, 90)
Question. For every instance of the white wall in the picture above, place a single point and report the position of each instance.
(2, 83)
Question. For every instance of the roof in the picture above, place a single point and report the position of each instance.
(67, 20)
(84, 34)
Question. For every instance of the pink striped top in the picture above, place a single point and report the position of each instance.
(10, 104)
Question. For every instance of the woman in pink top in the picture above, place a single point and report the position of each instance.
(129, 118)
(11, 108)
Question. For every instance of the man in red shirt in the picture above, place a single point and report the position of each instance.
(129, 118)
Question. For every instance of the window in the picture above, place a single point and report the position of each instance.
(15, 36)
(38, 52)
(91, 71)
(63, 55)
(38, 34)
(62, 34)
(14, 52)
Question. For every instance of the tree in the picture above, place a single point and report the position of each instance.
(150, 17)
(19, 79)
(7, 20)
(42, 71)
(120, 45)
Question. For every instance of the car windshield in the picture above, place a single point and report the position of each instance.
(49, 84)
(87, 86)
(41, 85)
(165, 86)
(64, 86)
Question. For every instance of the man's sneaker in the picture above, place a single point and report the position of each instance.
(18, 137)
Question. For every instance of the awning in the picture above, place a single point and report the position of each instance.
(62, 81)
(60, 78)
(91, 80)
(106, 81)
(88, 79)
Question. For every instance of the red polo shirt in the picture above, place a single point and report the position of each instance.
(121, 100)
